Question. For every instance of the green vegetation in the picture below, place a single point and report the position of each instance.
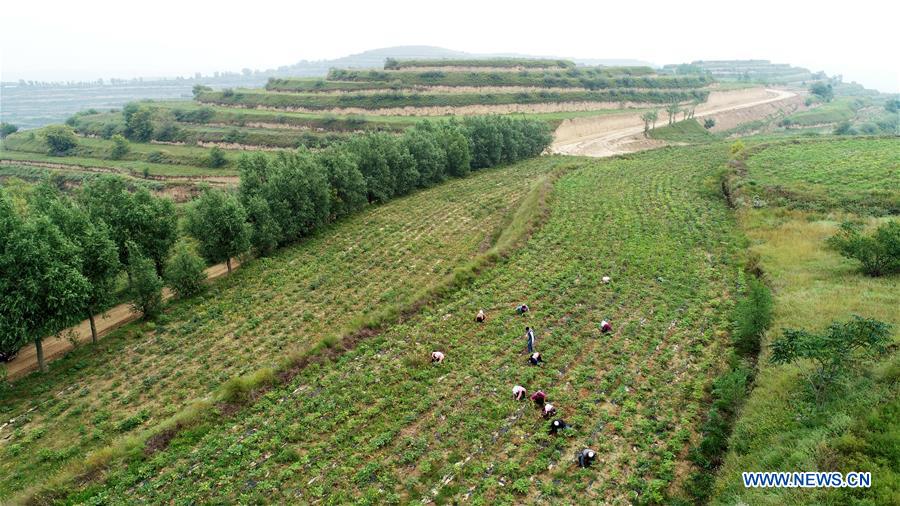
(303, 294)
(399, 427)
(683, 131)
(786, 424)
(858, 175)
(185, 270)
(832, 112)
(591, 78)
(747, 71)
(879, 253)
(114, 149)
(834, 351)
(394, 64)
(318, 101)
(6, 129)
(58, 139)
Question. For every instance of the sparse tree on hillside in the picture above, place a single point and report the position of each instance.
(138, 123)
(120, 147)
(647, 119)
(219, 223)
(672, 109)
(822, 90)
(833, 351)
(216, 158)
(60, 139)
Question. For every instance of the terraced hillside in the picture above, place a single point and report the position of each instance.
(435, 87)
(143, 373)
(380, 424)
(756, 71)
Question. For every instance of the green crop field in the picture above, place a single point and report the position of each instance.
(831, 112)
(143, 373)
(860, 174)
(781, 427)
(381, 424)
(318, 101)
(87, 147)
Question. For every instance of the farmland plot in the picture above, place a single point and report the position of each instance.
(380, 424)
(145, 372)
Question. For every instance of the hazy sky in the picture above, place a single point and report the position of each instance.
(88, 39)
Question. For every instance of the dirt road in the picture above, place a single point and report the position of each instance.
(617, 134)
(56, 346)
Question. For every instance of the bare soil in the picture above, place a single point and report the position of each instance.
(617, 134)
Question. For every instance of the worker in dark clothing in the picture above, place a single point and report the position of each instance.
(535, 358)
(480, 316)
(522, 309)
(586, 457)
(605, 327)
(557, 425)
(539, 397)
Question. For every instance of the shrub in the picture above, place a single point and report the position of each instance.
(216, 158)
(138, 123)
(844, 128)
(833, 351)
(156, 157)
(120, 147)
(185, 271)
(60, 139)
(709, 123)
(879, 253)
(737, 149)
(752, 316)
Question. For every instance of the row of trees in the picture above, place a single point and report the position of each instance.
(61, 257)
(650, 117)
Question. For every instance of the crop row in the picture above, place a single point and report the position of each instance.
(314, 101)
(382, 425)
(143, 373)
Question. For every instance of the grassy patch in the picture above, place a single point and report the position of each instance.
(689, 131)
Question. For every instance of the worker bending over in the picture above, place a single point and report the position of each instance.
(518, 392)
(437, 357)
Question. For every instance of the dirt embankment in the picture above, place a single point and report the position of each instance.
(56, 346)
(616, 134)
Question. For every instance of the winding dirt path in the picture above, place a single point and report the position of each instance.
(617, 134)
(57, 345)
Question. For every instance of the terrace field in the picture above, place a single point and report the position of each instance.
(380, 424)
(144, 373)
(829, 174)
